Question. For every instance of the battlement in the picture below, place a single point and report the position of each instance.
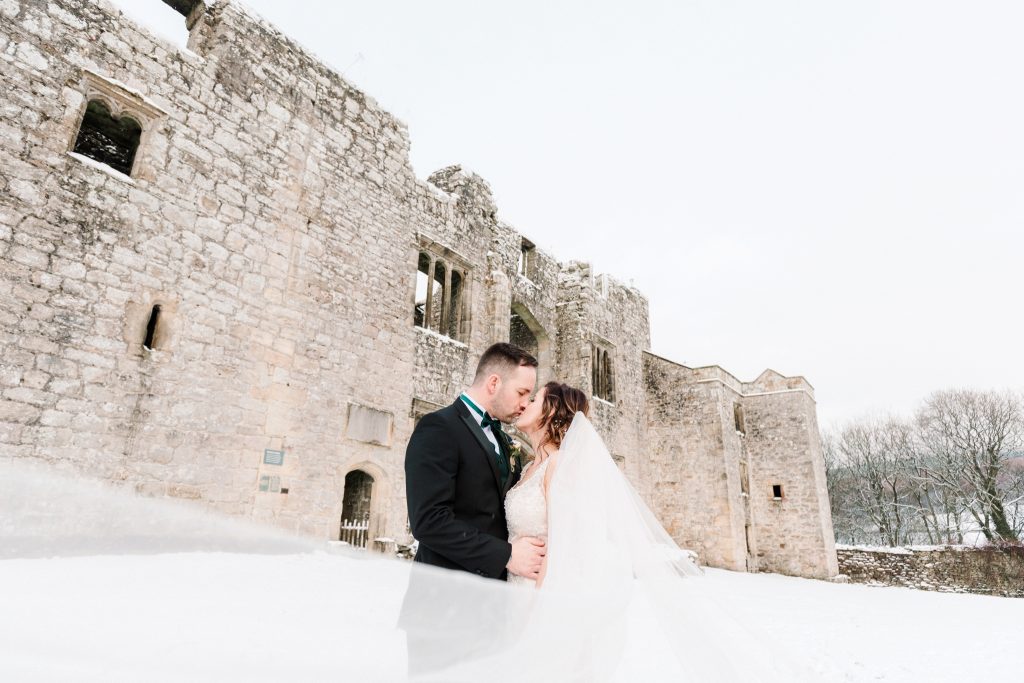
(767, 382)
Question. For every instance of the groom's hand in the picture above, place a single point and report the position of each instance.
(527, 556)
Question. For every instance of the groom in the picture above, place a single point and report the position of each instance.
(458, 470)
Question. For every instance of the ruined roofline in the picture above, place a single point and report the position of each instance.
(768, 374)
(759, 387)
(212, 11)
(603, 282)
(453, 189)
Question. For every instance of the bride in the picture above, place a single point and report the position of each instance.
(591, 505)
(617, 600)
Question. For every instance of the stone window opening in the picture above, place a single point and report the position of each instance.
(151, 328)
(106, 139)
(421, 407)
(602, 376)
(520, 334)
(114, 123)
(739, 419)
(527, 259)
(744, 478)
(777, 492)
(440, 301)
(174, 20)
(526, 332)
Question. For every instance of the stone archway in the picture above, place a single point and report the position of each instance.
(526, 332)
(363, 505)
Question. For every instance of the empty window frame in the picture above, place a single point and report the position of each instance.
(602, 373)
(440, 295)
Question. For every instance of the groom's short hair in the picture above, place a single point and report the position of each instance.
(502, 358)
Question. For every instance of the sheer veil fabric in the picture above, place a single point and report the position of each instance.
(620, 600)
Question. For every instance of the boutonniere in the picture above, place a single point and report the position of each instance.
(515, 457)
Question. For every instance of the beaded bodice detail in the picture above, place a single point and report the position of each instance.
(526, 512)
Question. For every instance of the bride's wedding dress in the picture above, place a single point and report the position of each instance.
(619, 596)
(526, 512)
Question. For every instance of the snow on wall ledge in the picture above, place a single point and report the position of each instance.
(988, 570)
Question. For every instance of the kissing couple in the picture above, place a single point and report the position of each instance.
(563, 573)
(567, 523)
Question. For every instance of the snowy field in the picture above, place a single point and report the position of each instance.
(98, 584)
(306, 616)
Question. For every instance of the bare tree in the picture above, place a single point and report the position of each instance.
(1013, 478)
(847, 522)
(971, 438)
(871, 451)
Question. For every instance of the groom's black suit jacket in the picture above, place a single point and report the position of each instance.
(456, 495)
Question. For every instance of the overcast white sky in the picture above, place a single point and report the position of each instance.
(830, 189)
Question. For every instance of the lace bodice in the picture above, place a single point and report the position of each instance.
(526, 511)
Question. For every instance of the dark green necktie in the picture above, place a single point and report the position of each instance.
(495, 427)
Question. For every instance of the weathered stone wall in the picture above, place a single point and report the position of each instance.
(262, 210)
(600, 310)
(952, 569)
(273, 216)
(713, 478)
(794, 533)
(688, 464)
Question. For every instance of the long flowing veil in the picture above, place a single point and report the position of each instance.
(601, 533)
(620, 600)
(605, 543)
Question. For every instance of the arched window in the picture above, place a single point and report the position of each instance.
(108, 140)
(440, 296)
(355, 508)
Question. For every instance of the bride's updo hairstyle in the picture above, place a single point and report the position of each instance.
(561, 403)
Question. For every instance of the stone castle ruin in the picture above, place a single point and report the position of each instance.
(222, 281)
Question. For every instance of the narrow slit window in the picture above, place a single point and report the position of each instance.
(454, 324)
(739, 419)
(422, 290)
(108, 140)
(527, 255)
(438, 302)
(151, 327)
(602, 375)
(777, 491)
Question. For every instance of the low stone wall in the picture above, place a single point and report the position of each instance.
(990, 570)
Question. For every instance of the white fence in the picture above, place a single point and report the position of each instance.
(355, 531)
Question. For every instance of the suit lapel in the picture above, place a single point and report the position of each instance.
(515, 471)
(478, 433)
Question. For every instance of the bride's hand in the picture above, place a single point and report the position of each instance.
(527, 557)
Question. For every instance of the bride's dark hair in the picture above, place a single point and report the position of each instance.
(561, 403)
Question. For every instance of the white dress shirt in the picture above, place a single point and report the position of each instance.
(478, 416)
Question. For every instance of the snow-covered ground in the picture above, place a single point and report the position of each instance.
(306, 616)
(98, 584)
